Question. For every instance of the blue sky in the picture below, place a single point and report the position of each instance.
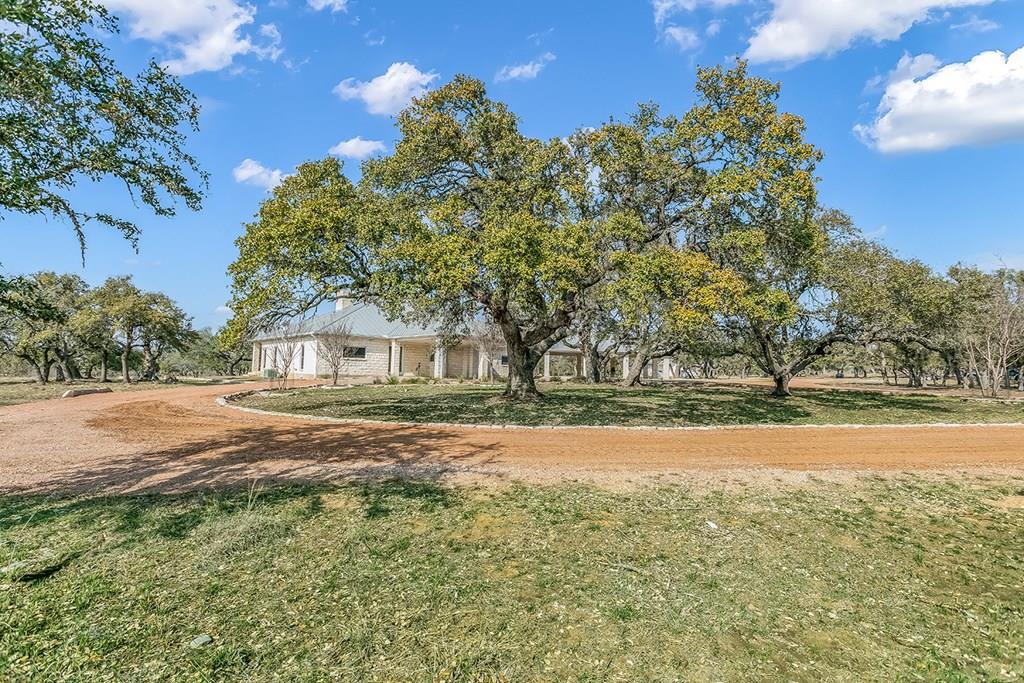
(917, 104)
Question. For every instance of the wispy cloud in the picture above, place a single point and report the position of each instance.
(976, 24)
(524, 72)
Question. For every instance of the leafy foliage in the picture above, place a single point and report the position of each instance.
(67, 114)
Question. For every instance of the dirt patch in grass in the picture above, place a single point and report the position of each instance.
(1010, 502)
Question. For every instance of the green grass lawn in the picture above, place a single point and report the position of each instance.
(14, 391)
(677, 405)
(871, 579)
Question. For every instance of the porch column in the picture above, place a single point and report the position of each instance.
(396, 358)
(481, 362)
(584, 361)
(625, 365)
(256, 358)
(547, 365)
(439, 361)
(666, 368)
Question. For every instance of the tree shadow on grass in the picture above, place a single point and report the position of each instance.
(119, 521)
(659, 405)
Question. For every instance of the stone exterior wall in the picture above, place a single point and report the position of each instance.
(462, 362)
(375, 364)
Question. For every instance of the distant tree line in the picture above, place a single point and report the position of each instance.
(59, 327)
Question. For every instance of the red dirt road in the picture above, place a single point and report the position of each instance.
(179, 439)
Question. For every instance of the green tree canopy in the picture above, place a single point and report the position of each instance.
(307, 241)
(68, 114)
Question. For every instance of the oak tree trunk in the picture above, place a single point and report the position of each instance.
(124, 366)
(782, 385)
(593, 363)
(42, 377)
(636, 369)
(65, 370)
(522, 364)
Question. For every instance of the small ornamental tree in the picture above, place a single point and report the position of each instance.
(285, 350)
(332, 345)
(489, 343)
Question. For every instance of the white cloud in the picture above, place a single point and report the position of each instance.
(798, 30)
(390, 92)
(663, 9)
(333, 5)
(524, 72)
(222, 310)
(357, 148)
(540, 36)
(203, 36)
(682, 37)
(977, 102)
(252, 172)
(977, 25)
(908, 68)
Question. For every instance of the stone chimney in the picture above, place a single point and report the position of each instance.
(343, 299)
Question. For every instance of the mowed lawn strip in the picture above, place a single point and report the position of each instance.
(905, 579)
(576, 404)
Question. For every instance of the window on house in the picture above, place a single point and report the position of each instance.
(355, 352)
(504, 360)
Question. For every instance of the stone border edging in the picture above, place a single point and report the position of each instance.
(227, 401)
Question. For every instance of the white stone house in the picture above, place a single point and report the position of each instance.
(378, 347)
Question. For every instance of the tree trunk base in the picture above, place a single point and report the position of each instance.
(782, 387)
(522, 393)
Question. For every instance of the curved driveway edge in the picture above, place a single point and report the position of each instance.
(180, 439)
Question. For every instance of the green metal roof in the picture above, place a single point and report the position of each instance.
(362, 319)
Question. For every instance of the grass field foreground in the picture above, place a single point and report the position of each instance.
(660, 405)
(905, 579)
